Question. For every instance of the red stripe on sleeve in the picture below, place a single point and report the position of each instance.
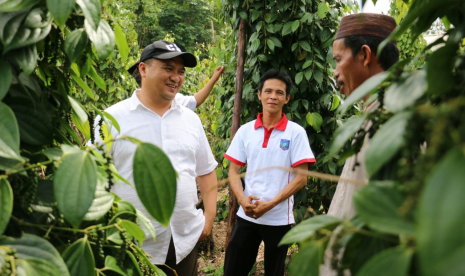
(242, 164)
(310, 162)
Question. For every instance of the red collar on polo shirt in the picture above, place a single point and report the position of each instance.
(281, 125)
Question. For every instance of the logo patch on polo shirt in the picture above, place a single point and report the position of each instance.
(284, 145)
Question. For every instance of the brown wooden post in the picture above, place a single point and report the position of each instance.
(236, 120)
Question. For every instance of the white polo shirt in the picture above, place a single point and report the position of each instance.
(180, 134)
(187, 101)
(285, 145)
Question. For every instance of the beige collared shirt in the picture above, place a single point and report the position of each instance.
(180, 134)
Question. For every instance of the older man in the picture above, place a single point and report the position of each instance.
(152, 115)
(355, 51)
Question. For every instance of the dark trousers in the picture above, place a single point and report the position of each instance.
(243, 248)
(187, 267)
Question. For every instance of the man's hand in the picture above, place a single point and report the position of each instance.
(217, 73)
(262, 207)
(248, 205)
(207, 229)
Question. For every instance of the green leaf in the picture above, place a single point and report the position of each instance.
(84, 128)
(404, 93)
(19, 31)
(309, 118)
(305, 45)
(305, 103)
(26, 58)
(365, 88)
(270, 44)
(307, 261)
(92, 12)
(295, 25)
(243, 15)
(60, 10)
(146, 224)
(387, 142)
(101, 204)
(103, 39)
(111, 264)
(276, 41)
(306, 229)
(335, 103)
(440, 217)
(307, 63)
(121, 43)
(17, 5)
(287, 29)
(77, 175)
(298, 77)
(82, 84)
(34, 122)
(133, 268)
(32, 246)
(97, 79)
(134, 230)
(9, 140)
(113, 120)
(317, 121)
(79, 258)
(155, 181)
(53, 153)
(322, 9)
(379, 207)
(75, 44)
(268, 17)
(318, 75)
(308, 74)
(392, 261)
(5, 78)
(6, 203)
(35, 266)
(442, 80)
(345, 132)
(78, 109)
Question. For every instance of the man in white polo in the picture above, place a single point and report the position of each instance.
(152, 115)
(266, 204)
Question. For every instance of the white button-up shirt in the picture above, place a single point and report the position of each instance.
(180, 134)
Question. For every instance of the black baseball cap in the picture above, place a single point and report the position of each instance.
(164, 50)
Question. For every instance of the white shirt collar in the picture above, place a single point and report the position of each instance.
(135, 102)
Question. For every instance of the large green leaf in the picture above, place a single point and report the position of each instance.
(307, 261)
(392, 261)
(35, 266)
(440, 217)
(32, 246)
(79, 258)
(101, 204)
(16, 5)
(9, 140)
(121, 43)
(315, 120)
(155, 181)
(18, 33)
(97, 79)
(92, 12)
(60, 10)
(75, 43)
(322, 9)
(74, 185)
(35, 126)
(345, 132)
(112, 264)
(26, 58)
(82, 84)
(6, 203)
(133, 230)
(404, 93)
(103, 38)
(379, 207)
(364, 89)
(441, 81)
(306, 229)
(287, 29)
(78, 109)
(386, 142)
(5, 78)
(146, 224)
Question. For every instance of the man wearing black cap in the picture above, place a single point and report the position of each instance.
(151, 115)
(355, 52)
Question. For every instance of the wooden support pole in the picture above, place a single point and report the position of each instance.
(236, 120)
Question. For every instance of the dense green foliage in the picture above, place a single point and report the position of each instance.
(410, 216)
(57, 215)
(296, 37)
